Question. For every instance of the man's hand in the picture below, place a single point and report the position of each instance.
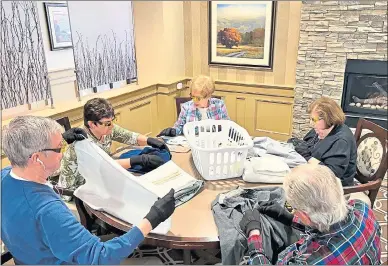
(277, 212)
(147, 161)
(250, 221)
(74, 134)
(162, 209)
(169, 132)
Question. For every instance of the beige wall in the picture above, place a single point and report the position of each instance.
(285, 46)
(159, 39)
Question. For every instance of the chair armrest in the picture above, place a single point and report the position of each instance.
(363, 187)
(6, 256)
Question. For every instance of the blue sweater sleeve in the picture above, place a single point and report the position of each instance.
(71, 242)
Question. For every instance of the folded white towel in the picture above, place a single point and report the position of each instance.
(265, 169)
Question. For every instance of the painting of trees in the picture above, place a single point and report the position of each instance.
(229, 37)
(23, 68)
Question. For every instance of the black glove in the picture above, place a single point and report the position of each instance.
(277, 212)
(162, 209)
(169, 132)
(147, 161)
(156, 143)
(250, 221)
(74, 134)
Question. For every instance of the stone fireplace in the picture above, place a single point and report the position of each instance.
(365, 91)
(332, 34)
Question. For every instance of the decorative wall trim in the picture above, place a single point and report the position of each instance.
(255, 85)
(131, 101)
(256, 93)
(272, 132)
(270, 101)
(139, 105)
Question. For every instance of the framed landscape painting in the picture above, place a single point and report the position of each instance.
(241, 33)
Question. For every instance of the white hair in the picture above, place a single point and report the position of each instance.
(26, 135)
(315, 190)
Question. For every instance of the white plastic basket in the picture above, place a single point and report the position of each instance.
(219, 147)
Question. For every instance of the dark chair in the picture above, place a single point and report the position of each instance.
(64, 122)
(181, 100)
(371, 159)
(6, 256)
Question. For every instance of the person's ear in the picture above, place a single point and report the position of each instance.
(34, 157)
(91, 124)
(303, 216)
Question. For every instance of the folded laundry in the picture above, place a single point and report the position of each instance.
(266, 169)
(285, 151)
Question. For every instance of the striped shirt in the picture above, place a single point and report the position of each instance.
(355, 240)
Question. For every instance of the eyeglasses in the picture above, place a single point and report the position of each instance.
(107, 123)
(315, 119)
(196, 98)
(62, 149)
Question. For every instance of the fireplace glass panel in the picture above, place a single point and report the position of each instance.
(366, 94)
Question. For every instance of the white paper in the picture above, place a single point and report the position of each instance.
(165, 177)
(111, 188)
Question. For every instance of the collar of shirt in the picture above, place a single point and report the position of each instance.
(337, 227)
(12, 174)
(93, 137)
(15, 176)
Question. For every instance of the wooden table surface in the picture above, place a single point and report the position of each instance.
(193, 226)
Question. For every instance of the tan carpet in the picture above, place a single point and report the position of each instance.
(380, 210)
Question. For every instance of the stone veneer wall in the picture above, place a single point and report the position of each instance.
(330, 33)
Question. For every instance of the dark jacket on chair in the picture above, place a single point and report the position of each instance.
(338, 151)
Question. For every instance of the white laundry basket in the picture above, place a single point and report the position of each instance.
(219, 147)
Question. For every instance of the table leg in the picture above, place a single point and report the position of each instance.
(187, 257)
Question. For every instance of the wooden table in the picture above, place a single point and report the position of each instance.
(193, 225)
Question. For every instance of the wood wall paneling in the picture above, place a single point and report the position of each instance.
(196, 27)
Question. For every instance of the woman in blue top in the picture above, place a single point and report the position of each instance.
(202, 106)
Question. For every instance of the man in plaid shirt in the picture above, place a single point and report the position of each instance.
(334, 231)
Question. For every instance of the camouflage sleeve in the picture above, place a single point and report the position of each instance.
(69, 176)
(124, 136)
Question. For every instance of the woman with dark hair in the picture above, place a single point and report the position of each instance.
(99, 117)
(330, 142)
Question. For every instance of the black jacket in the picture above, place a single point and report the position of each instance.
(338, 151)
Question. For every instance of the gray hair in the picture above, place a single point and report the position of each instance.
(28, 134)
(315, 190)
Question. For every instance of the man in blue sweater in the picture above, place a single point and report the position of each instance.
(37, 227)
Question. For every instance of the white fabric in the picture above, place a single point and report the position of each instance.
(15, 176)
(12, 174)
(369, 156)
(265, 169)
(360, 196)
(111, 188)
(203, 112)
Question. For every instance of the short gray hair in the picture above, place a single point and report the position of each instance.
(25, 135)
(315, 190)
